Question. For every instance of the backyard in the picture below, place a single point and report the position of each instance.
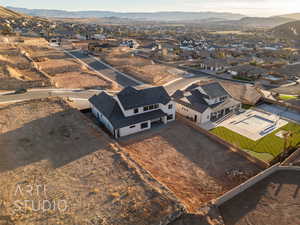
(266, 148)
(193, 166)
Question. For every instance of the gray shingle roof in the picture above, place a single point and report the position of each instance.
(104, 103)
(194, 100)
(131, 98)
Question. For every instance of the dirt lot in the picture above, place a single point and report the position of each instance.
(275, 200)
(55, 66)
(32, 63)
(54, 151)
(79, 79)
(142, 69)
(16, 71)
(190, 164)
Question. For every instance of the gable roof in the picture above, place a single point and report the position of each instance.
(132, 98)
(193, 100)
(214, 90)
(104, 103)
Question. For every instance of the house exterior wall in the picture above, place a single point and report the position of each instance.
(162, 107)
(132, 129)
(190, 113)
(172, 111)
(102, 119)
(205, 116)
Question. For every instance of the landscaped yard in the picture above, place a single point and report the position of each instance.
(266, 148)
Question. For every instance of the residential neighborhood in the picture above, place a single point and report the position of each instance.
(149, 118)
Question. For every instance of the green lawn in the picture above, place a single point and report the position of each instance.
(267, 148)
(287, 97)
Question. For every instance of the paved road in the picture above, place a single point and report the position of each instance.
(106, 70)
(47, 93)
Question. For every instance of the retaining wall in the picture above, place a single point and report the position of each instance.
(242, 187)
(292, 157)
(251, 182)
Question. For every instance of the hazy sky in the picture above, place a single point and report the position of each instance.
(247, 7)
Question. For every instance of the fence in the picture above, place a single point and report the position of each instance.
(242, 187)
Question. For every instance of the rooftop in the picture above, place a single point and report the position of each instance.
(132, 98)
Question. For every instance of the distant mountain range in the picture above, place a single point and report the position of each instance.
(293, 16)
(155, 16)
(249, 22)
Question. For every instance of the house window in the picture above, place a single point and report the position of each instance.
(170, 106)
(133, 126)
(144, 125)
(136, 111)
(170, 117)
(223, 98)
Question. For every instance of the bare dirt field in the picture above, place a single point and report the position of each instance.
(47, 143)
(190, 164)
(56, 66)
(16, 71)
(39, 54)
(79, 80)
(275, 200)
(210, 216)
(31, 63)
(152, 74)
(142, 69)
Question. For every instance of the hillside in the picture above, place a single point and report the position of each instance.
(4, 12)
(155, 16)
(246, 23)
(294, 16)
(290, 31)
(264, 22)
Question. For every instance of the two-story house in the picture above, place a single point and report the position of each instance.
(132, 110)
(203, 103)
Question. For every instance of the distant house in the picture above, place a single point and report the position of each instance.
(55, 41)
(131, 110)
(203, 103)
(247, 71)
(245, 93)
(214, 64)
(129, 44)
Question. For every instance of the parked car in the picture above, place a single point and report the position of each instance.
(21, 91)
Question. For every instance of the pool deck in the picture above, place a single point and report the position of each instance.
(254, 124)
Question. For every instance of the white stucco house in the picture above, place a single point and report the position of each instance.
(132, 110)
(204, 103)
